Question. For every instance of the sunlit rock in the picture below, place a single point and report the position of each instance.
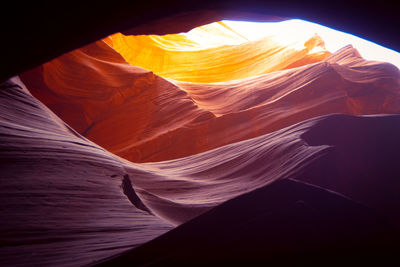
(214, 53)
(143, 117)
(115, 143)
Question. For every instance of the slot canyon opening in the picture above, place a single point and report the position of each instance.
(150, 98)
(226, 141)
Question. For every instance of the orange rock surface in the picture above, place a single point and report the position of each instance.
(62, 194)
(225, 55)
(143, 117)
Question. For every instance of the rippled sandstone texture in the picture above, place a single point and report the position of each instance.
(143, 117)
(64, 204)
(65, 200)
(60, 196)
(179, 57)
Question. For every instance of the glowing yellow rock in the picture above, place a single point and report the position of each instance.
(200, 56)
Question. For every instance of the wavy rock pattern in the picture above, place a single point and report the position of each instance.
(60, 195)
(66, 200)
(181, 58)
(143, 117)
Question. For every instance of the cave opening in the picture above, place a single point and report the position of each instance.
(160, 97)
(242, 130)
(292, 33)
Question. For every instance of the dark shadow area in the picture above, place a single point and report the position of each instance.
(285, 222)
(362, 160)
(131, 194)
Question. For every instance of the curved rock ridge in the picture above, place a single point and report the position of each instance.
(61, 200)
(344, 72)
(181, 189)
(351, 155)
(264, 226)
(62, 196)
(200, 38)
(214, 53)
(143, 117)
(102, 91)
(67, 201)
(236, 145)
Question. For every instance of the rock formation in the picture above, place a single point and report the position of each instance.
(100, 155)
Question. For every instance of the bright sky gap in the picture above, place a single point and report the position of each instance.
(296, 29)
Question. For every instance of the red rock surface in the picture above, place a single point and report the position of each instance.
(143, 117)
